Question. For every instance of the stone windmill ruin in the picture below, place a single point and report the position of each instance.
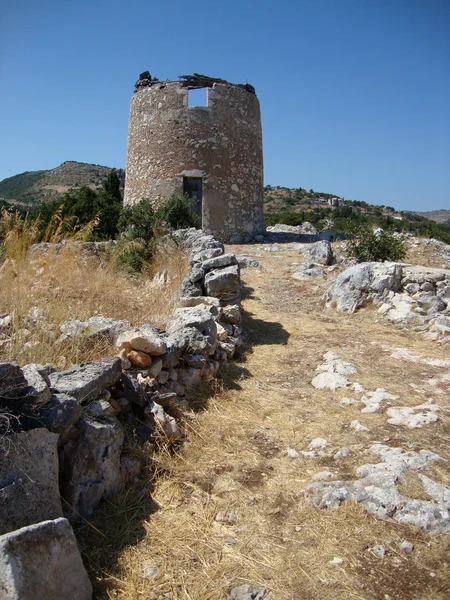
(212, 153)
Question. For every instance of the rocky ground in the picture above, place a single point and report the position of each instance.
(319, 470)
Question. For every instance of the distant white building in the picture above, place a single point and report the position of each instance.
(336, 202)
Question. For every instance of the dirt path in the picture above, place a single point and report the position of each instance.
(230, 506)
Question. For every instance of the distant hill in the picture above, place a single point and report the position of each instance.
(440, 216)
(34, 187)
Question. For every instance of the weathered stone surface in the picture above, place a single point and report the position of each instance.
(306, 273)
(362, 282)
(225, 260)
(188, 302)
(139, 359)
(60, 413)
(246, 261)
(320, 252)
(413, 417)
(223, 282)
(332, 373)
(165, 131)
(38, 380)
(196, 273)
(12, 381)
(90, 465)
(376, 490)
(146, 338)
(94, 327)
(133, 391)
(28, 479)
(250, 592)
(189, 289)
(231, 314)
(42, 561)
(85, 381)
(198, 317)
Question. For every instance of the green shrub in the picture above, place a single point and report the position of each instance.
(177, 213)
(366, 246)
(136, 242)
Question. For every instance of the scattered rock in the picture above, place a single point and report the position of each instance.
(406, 546)
(250, 592)
(413, 417)
(292, 453)
(379, 550)
(373, 400)
(336, 561)
(376, 490)
(342, 453)
(358, 426)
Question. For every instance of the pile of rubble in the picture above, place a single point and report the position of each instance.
(63, 434)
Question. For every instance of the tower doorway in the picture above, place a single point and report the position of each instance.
(193, 188)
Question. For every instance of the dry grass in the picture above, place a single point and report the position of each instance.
(43, 291)
(162, 540)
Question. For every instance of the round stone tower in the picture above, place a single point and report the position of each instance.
(213, 153)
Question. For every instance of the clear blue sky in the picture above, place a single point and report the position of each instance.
(355, 94)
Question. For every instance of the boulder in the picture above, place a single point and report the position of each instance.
(90, 465)
(87, 380)
(223, 282)
(29, 490)
(362, 282)
(145, 338)
(42, 561)
(320, 252)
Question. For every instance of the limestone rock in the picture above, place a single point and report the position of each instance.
(139, 359)
(90, 465)
(362, 282)
(60, 413)
(250, 592)
(146, 338)
(223, 282)
(29, 490)
(38, 380)
(94, 327)
(42, 561)
(320, 252)
(87, 380)
(376, 490)
(225, 260)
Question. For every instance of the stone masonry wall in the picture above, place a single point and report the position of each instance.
(64, 436)
(222, 143)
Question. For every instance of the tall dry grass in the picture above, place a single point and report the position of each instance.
(42, 290)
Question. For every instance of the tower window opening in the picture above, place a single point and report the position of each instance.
(198, 97)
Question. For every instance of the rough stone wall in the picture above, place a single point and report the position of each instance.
(222, 143)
